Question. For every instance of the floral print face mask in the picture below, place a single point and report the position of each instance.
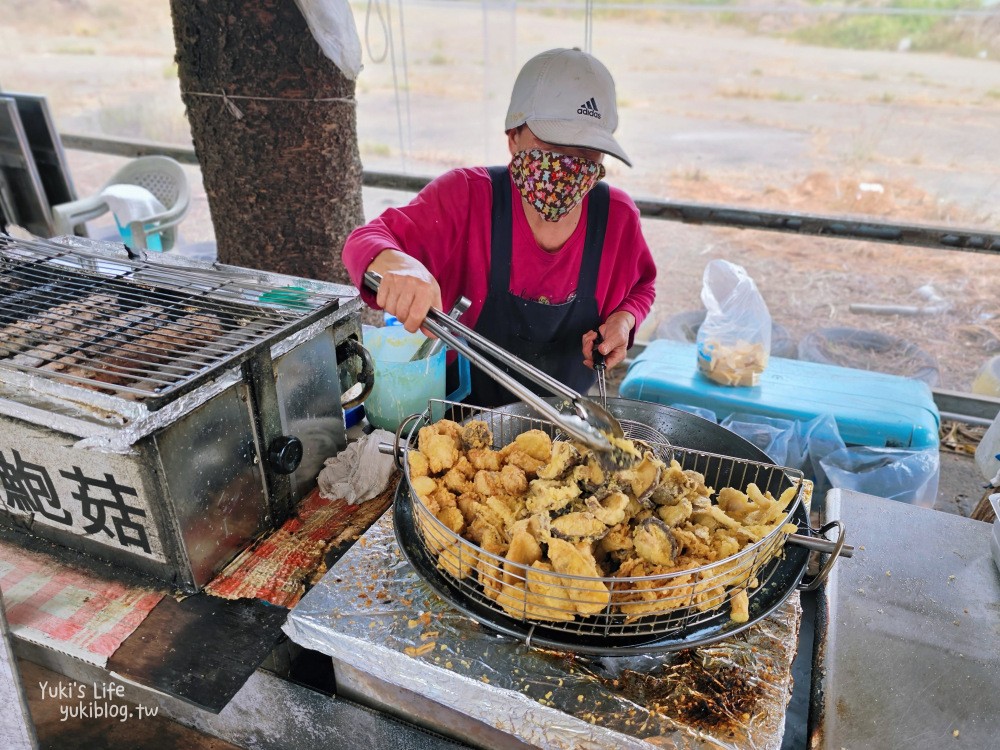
(554, 184)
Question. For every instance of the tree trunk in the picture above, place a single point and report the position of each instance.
(279, 156)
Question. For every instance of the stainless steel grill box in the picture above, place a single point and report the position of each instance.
(160, 412)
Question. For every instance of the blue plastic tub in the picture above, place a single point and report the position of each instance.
(872, 409)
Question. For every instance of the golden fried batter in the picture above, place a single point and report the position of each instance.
(524, 461)
(419, 465)
(522, 553)
(550, 495)
(611, 510)
(655, 543)
(588, 596)
(514, 480)
(547, 598)
(536, 444)
(488, 483)
(537, 513)
(484, 459)
(675, 515)
(441, 452)
(563, 458)
(476, 434)
(456, 481)
(578, 527)
(642, 478)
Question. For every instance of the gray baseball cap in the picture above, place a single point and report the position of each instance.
(567, 98)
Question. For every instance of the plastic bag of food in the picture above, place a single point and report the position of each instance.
(734, 342)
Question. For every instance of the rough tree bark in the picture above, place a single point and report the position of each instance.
(281, 166)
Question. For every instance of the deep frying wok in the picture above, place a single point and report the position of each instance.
(779, 579)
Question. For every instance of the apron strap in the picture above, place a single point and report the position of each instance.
(502, 234)
(597, 223)
(502, 239)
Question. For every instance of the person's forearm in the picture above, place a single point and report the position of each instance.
(408, 290)
(628, 319)
(389, 259)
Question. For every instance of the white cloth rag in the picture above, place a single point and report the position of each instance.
(358, 473)
(131, 203)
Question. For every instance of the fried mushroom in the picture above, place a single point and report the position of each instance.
(578, 527)
(655, 543)
(610, 510)
(476, 434)
(564, 457)
(550, 495)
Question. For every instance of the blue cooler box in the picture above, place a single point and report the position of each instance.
(871, 408)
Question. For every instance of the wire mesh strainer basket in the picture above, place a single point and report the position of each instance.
(559, 590)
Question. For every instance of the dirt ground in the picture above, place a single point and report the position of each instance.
(711, 112)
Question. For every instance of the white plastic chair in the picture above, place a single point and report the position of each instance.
(161, 176)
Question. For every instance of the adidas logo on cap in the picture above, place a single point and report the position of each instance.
(589, 108)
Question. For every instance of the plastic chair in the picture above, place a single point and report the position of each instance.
(161, 176)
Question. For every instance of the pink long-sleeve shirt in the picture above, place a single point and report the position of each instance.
(447, 228)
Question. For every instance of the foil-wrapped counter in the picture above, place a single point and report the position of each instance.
(372, 613)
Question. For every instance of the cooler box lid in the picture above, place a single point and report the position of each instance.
(871, 408)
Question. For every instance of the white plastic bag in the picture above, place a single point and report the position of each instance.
(907, 475)
(781, 439)
(734, 342)
(332, 25)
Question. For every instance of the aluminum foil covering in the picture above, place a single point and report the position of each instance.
(372, 612)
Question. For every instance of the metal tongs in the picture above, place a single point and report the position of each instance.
(579, 417)
(600, 367)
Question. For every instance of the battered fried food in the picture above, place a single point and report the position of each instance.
(547, 597)
(551, 530)
(441, 451)
(580, 526)
(610, 510)
(588, 595)
(535, 443)
(563, 458)
(551, 495)
(476, 434)
(419, 466)
(523, 552)
(654, 542)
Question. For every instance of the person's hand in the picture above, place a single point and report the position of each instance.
(615, 331)
(407, 290)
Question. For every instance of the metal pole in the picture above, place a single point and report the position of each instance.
(942, 238)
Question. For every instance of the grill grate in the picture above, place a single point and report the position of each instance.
(136, 328)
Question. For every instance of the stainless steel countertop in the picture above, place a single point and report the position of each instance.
(908, 632)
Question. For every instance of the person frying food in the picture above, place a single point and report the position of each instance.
(547, 252)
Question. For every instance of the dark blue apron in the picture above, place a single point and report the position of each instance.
(546, 336)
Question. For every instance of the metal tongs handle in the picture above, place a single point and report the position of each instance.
(438, 323)
(600, 367)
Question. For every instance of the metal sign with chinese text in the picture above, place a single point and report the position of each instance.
(96, 495)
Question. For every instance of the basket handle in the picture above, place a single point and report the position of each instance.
(838, 550)
(394, 449)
